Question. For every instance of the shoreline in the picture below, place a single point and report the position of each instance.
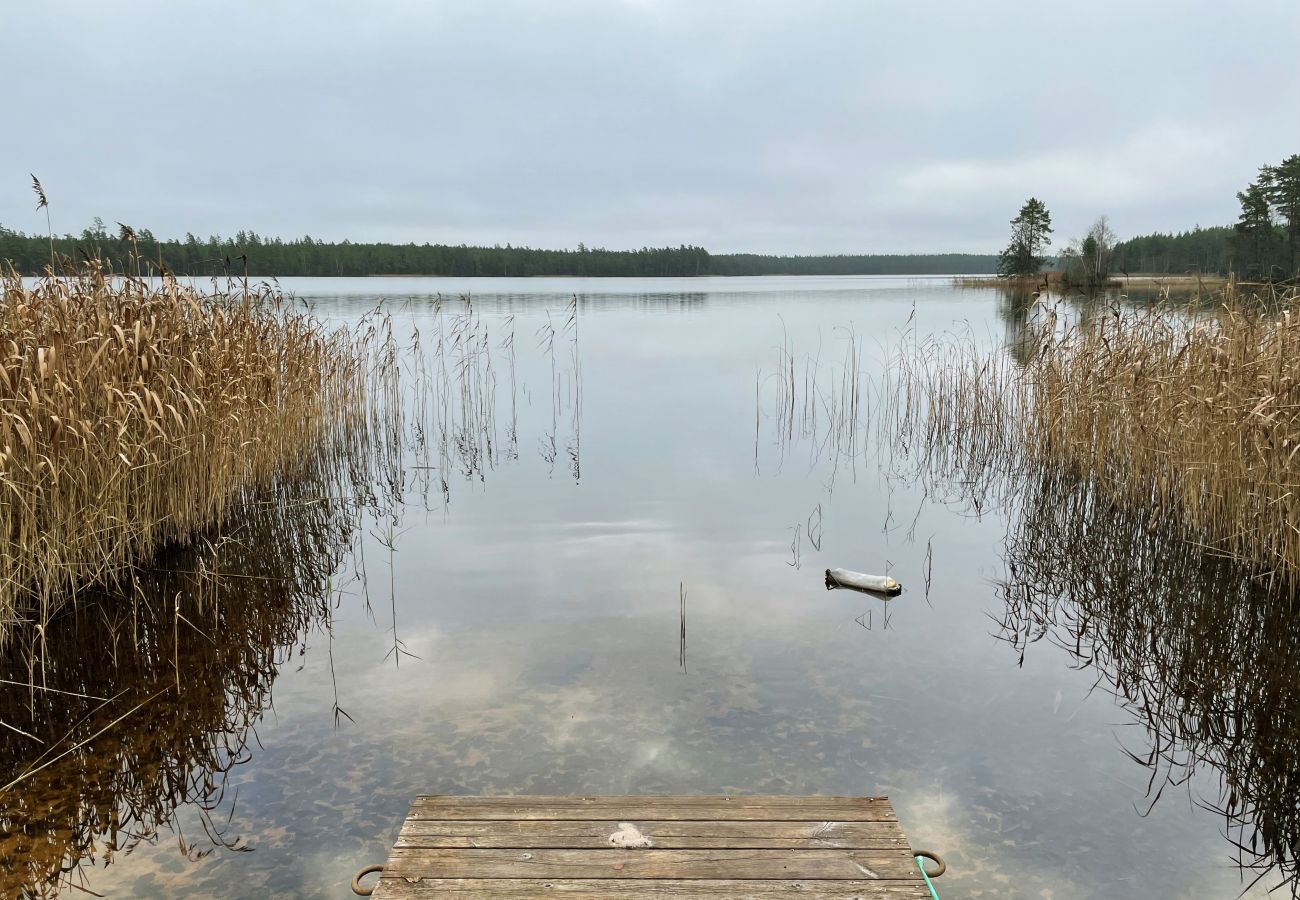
(1053, 280)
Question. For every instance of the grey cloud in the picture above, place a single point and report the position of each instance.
(824, 125)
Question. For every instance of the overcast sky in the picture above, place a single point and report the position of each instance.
(808, 126)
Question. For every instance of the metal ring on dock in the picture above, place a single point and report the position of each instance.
(930, 854)
(356, 880)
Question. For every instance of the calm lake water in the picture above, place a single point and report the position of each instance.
(522, 631)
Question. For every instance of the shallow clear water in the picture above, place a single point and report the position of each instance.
(538, 606)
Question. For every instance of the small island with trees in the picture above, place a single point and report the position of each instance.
(1263, 246)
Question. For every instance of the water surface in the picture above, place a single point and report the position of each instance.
(515, 626)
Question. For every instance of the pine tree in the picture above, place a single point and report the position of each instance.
(1030, 230)
(1254, 235)
(1281, 184)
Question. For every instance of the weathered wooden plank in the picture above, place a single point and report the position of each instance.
(563, 800)
(806, 809)
(759, 847)
(652, 863)
(669, 835)
(645, 889)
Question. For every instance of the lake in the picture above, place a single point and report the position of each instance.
(610, 580)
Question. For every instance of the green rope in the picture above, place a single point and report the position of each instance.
(920, 864)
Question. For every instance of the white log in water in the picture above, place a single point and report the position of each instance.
(876, 584)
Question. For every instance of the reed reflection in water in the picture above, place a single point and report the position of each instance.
(137, 702)
(1195, 646)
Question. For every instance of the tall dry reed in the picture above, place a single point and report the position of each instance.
(1196, 417)
(133, 411)
(1191, 412)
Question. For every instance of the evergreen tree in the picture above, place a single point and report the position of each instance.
(1030, 230)
(1281, 184)
(1254, 237)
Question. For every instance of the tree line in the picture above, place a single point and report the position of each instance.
(259, 256)
(1204, 250)
(877, 264)
(1264, 243)
(1089, 261)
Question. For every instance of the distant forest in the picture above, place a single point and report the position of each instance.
(1204, 250)
(1208, 250)
(264, 257)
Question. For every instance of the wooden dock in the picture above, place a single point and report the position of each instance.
(602, 848)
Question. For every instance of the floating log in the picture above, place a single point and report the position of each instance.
(872, 584)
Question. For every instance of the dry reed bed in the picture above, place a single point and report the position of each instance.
(1197, 419)
(133, 411)
(1147, 459)
(1190, 413)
